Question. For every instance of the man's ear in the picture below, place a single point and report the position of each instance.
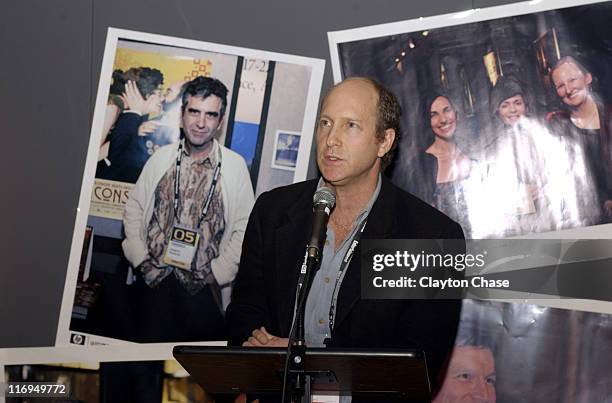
(387, 142)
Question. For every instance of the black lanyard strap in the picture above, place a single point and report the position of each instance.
(348, 256)
(177, 186)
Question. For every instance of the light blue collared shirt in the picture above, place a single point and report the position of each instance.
(318, 303)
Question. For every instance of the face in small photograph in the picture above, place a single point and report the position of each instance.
(155, 101)
(512, 109)
(201, 119)
(470, 377)
(443, 118)
(348, 148)
(572, 84)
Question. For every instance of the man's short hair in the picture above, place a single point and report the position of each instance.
(468, 335)
(388, 115)
(203, 87)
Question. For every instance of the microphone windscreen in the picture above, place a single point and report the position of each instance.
(326, 196)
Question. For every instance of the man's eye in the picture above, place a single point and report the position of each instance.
(464, 376)
(353, 125)
(324, 123)
(491, 380)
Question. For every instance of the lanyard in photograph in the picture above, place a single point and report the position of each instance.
(177, 186)
(341, 273)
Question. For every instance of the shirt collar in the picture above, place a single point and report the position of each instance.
(371, 202)
(211, 158)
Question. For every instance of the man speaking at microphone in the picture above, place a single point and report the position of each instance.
(357, 133)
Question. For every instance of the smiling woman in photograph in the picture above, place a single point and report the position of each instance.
(585, 124)
(512, 164)
(444, 165)
(452, 164)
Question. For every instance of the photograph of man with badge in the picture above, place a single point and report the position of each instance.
(184, 223)
(184, 135)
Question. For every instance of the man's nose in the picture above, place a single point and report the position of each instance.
(482, 392)
(333, 137)
(201, 121)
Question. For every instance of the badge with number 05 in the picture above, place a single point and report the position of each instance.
(182, 247)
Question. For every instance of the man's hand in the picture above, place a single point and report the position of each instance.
(174, 91)
(261, 338)
(134, 101)
(147, 127)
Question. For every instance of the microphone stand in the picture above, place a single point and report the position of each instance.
(301, 381)
(296, 349)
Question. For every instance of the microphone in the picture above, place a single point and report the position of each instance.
(324, 201)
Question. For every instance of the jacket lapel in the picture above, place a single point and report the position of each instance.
(290, 245)
(380, 226)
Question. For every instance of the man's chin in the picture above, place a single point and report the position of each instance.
(333, 179)
(197, 142)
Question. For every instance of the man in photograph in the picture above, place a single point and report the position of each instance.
(184, 224)
(357, 132)
(471, 376)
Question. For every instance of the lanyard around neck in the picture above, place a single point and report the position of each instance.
(177, 185)
(348, 256)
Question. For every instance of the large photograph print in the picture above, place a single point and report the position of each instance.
(507, 122)
(507, 129)
(184, 137)
(509, 353)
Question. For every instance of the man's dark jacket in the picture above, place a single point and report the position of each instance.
(273, 250)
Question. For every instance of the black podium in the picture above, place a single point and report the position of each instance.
(396, 373)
